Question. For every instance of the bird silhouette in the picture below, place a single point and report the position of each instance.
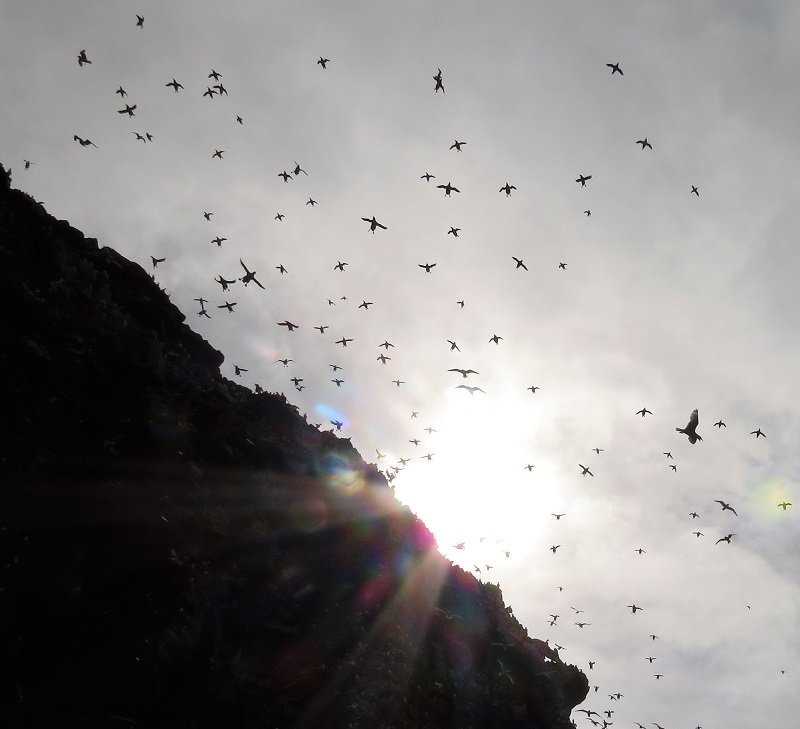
(643, 412)
(323, 62)
(291, 327)
(758, 434)
(583, 179)
(457, 145)
(585, 471)
(128, 110)
(373, 224)
(644, 143)
(507, 189)
(720, 424)
(175, 85)
(464, 373)
(726, 507)
(249, 276)
(438, 78)
(471, 390)
(448, 188)
(725, 538)
(691, 428)
(615, 68)
(140, 21)
(82, 59)
(84, 142)
(426, 266)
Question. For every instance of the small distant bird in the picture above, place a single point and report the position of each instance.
(84, 142)
(282, 269)
(323, 62)
(239, 119)
(494, 338)
(757, 433)
(691, 428)
(554, 548)
(284, 362)
(667, 453)
(673, 467)
(249, 276)
(386, 344)
(298, 169)
(562, 265)
(128, 110)
(507, 189)
(644, 143)
(460, 303)
(175, 85)
(83, 59)
(344, 340)
(634, 608)
(228, 305)
(725, 539)
(373, 224)
(337, 423)
(464, 373)
(726, 507)
(438, 78)
(340, 266)
(427, 177)
(694, 190)
(784, 504)
(218, 153)
(520, 263)
(311, 201)
(279, 216)
(453, 232)
(338, 382)
(644, 411)
(209, 92)
(529, 468)
(558, 516)
(335, 367)
(291, 327)
(640, 551)
(533, 388)
(583, 179)
(156, 261)
(383, 358)
(224, 282)
(453, 345)
(457, 145)
(207, 216)
(139, 137)
(215, 75)
(448, 188)
(698, 534)
(28, 163)
(121, 92)
(427, 266)
(365, 305)
(598, 450)
(720, 424)
(615, 68)
(585, 471)
(471, 390)
(587, 213)
(140, 21)
(238, 370)
(694, 515)
(399, 382)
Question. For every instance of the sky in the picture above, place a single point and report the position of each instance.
(668, 300)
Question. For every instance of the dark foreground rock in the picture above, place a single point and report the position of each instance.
(176, 551)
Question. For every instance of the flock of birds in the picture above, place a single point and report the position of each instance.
(248, 274)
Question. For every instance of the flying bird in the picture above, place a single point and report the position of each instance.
(464, 373)
(615, 68)
(453, 232)
(289, 325)
(533, 388)
(218, 153)
(249, 276)
(224, 282)
(634, 608)
(720, 424)
(507, 189)
(121, 92)
(426, 266)
(140, 21)
(471, 390)
(583, 179)
(175, 85)
(644, 143)
(520, 263)
(128, 110)
(84, 142)
(427, 177)
(725, 539)
(757, 433)
(215, 75)
(644, 411)
(694, 190)
(340, 266)
(156, 261)
(585, 471)
(438, 78)
(691, 428)
(373, 224)
(344, 340)
(784, 504)
(323, 62)
(457, 145)
(83, 59)
(448, 188)
(726, 507)
(494, 338)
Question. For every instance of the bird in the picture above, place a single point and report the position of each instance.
(615, 68)
(644, 411)
(426, 266)
(457, 145)
(726, 507)
(128, 110)
(373, 224)
(448, 188)
(298, 169)
(335, 367)
(284, 362)
(644, 143)
(322, 328)
(383, 358)
(438, 78)
(471, 390)
(529, 468)
(285, 175)
(337, 423)
(340, 266)
(219, 241)
(673, 467)
(209, 92)
(634, 608)
(720, 424)
(27, 163)
(585, 471)
(228, 305)
(291, 327)
(218, 153)
(464, 373)
(84, 142)
(694, 515)
(691, 428)
(215, 75)
(554, 548)
(121, 92)
(453, 345)
(239, 119)
(533, 389)
(650, 659)
(429, 456)
(583, 179)
(279, 216)
(207, 216)
(725, 539)
(323, 62)
(175, 85)
(249, 276)
(598, 450)
(558, 516)
(587, 213)
(520, 263)
(581, 625)
(221, 89)
(365, 305)
(494, 338)
(140, 21)
(139, 137)
(238, 370)
(156, 261)
(757, 433)
(667, 453)
(386, 344)
(224, 282)
(296, 380)
(82, 59)
(311, 201)
(282, 269)
(640, 551)
(507, 189)
(562, 265)
(694, 190)
(698, 534)
(344, 340)
(784, 504)
(399, 382)
(453, 232)
(337, 381)
(427, 177)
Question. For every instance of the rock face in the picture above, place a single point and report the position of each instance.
(176, 551)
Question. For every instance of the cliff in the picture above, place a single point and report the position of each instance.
(176, 551)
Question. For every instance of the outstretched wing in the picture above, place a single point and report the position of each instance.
(693, 421)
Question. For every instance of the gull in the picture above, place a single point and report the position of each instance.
(282, 269)
(380, 455)
(337, 423)
(460, 303)
(224, 282)
(83, 59)
(426, 266)
(322, 328)
(83, 142)
(373, 224)
(562, 265)
(414, 414)
(344, 340)
(667, 453)
(289, 325)
(207, 216)
(554, 548)
(644, 411)
(215, 75)
(651, 659)
(249, 276)
(399, 382)
(298, 169)
(383, 358)
(725, 539)
(585, 471)
(429, 456)
(720, 424)
(175, 85)
(218, 153)
(334, 367)
(323, 62)
(285, 175)
(640, 551)
(471, 390)
(427, 177)
(784, 504)
(221, 89)
(227, 305)
(139, 137)
(121, 92)
(644, 143)
(634, 608)
(438, 79)
(140, 21)
(533, 388)
(284, 362)
(453, 232)
(757, 433)
(558, 516)
(340, 266)
(580, 625)
(311, 201)
(448, 188)
(430, 430)
(296, 380)
(553, 622)
(464, 373)
(587, 213)
(691, 428)
(519, 263)
(694, 515)
(507, 189)
(279, 216)
(494, 338)
(583, 179)
(615, 68)
(156, 261)
(674, 468)
(598, 450)
(457, 145)
(238, 370)
(415, 441)
(209, 92)
(28, 163)
(403, 462)
(219, 241)
(694, 190)
(239, 119)
(726, 507)
(453, 345)
(658, 675)
(365, 305)
(338, 382)
(698, 534)
(128, 110)
(386, 344)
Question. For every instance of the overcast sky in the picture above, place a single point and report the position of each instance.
(668, 300)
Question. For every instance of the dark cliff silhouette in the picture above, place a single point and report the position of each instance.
(176, 551)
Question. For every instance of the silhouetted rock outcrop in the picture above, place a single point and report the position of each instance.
(176, 551)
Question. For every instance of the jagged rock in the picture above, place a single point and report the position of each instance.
(177, 551)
